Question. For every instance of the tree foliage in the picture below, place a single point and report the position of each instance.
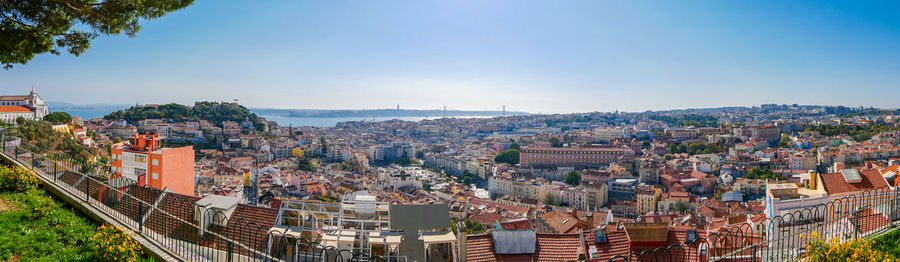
(573, 178)
(857, 132)
(514, 145)
(688, 120)
(761, 173)
(682, 206)
(784, 142)
(31, 27)
(555, 142)
(306, 165)
(215, 112)
(58, 117)
(509, 156)
(41, 134)
(695, 148)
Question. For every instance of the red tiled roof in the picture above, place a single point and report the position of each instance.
(549, 247)
(480, 248)
(487, 219)
(559, 222)
(835, 183)
(8, 108)
(617, 243)
(869, 221)
(516, 224)
(250, 226)
(559, 247)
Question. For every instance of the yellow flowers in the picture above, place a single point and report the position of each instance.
(854, 250)
(113, 244)
(17, 179)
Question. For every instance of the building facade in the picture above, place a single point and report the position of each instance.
(542, 156)
(144, 161)
(29, 107)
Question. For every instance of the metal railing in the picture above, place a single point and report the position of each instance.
(171, 220)
(785, 237)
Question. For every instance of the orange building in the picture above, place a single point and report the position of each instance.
(145, 161)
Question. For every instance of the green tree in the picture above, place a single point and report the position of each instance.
(514, 145)
(58, 117)
(305, 165)
(29, 27)
(550, 200)
(474, 227)
(682, 206)
(573, 178)
(785, 142)
(555, 142)
(762, 173)
(509, 156)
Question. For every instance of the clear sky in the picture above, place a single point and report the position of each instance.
(535, 56)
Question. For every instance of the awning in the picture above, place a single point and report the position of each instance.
(438, 237)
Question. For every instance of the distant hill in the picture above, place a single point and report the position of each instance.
(321, 113)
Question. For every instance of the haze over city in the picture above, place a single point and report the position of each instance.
(534, 56)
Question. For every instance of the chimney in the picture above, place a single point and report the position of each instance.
(589, 216)
(461, 240)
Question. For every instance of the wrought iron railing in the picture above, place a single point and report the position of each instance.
(170, 219)
(785, 237)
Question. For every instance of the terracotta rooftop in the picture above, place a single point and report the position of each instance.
(835, 183)
(617, 243)
(559, 222)
(549, 247)
(516, 224)
(8, 108)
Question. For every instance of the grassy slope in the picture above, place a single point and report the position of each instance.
(63, 236)
(888, 242)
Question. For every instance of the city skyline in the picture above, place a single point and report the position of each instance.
(535, 57)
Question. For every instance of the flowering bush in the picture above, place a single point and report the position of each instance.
(17, 179)
(39, 206)
(855, 250)
(113, 244)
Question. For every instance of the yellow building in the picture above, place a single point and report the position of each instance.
(647, 198)
(297, 152)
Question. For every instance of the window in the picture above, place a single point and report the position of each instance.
(155, 162)
(140, 158)
(140, 171)
(155, 175)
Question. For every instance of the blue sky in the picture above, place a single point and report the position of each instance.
(535, 56)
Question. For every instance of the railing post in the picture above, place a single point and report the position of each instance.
(229, 251)
(55, 177)
(140, 216)
(857, 227)
(87, 193)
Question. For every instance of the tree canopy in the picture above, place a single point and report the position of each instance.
(573, 178)
(858, 132)
(509, 156)
(696, 148)
(31, 27)
(761, 173)
(215, 112)
(58, 117)
(688, 120)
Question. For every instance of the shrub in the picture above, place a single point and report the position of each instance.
(113, 244)
(39, 206)
(17, 179)
(855, 250)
